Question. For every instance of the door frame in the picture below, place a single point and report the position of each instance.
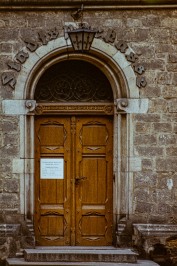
(105, 109)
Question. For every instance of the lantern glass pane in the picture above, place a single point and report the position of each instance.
(88, 39)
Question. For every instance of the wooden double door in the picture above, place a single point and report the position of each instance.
(73, 180)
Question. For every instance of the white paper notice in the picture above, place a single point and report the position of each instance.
(52, 168)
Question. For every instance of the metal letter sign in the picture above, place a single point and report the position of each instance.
(51, 168)
(46, 36)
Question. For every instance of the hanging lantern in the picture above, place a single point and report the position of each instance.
(82, 38)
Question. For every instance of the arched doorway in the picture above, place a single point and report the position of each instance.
(120, 74)
(74, 156)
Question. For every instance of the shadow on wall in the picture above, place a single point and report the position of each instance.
(165, 255)
(160, 255)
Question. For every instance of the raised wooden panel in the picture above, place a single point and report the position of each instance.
(52, 192)
(94, 187)
(94, 134)
(51, 134)
(93, 225)
(51, 224)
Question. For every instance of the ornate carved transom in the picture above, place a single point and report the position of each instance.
(73, 81)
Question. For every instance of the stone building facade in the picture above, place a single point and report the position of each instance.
(135, 47)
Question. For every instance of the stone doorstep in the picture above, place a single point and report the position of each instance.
(80, 255)
(21, 262)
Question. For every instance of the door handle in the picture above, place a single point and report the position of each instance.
(79, 178)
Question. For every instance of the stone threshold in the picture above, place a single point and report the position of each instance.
(80, 254)
(22, 262)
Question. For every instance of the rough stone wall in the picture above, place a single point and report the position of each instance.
(155, 187)
(9, 183)
(152, 34)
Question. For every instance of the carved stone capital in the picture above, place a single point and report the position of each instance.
(30, 105)
(121, 104)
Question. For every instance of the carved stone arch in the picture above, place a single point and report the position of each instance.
(105, 56)
(121, 76)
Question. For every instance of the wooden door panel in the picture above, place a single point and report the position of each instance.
(95, 171)
(94, 191)
(52, 225)
(51, 191)
(93, 225)
(52, 137)
(93, 134)
(52, 219)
